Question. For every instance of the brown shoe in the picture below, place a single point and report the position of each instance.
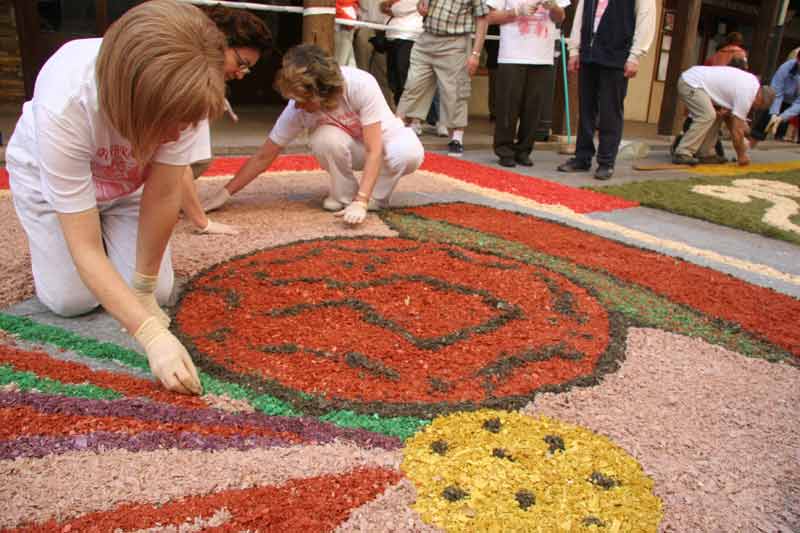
(712, 159)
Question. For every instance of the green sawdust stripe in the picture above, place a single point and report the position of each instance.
(676, 196)
(639, 305)
(27, 381)
(29, 330)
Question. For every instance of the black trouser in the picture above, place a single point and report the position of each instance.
(601, 96)
(398, 61)
(522, 91)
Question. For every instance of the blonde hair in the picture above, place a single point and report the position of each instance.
(310, 75)
(160, 64)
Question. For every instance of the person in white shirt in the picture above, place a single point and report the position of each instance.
(351, 128)
(524, 73)
(95, 166)
(405, 25)
(714, 94)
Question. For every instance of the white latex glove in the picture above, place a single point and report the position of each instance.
(355, 213)
(144, 287)
(217, 200)
(217, 228)
(526, 9)
(772, 125)
(169, 360)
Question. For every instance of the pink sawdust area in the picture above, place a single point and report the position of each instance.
(717, 432)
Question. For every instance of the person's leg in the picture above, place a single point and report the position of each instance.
(339, 155)
(55, 277)
(703, 116)
(402, 60)
(453, 80)
(587, 113)
(379, 69)
(120, 224)
(706, 150)
(612, 88)
(780, 132)
(402, 154)
(510, 94)
(421, 82)
(538, 90)
(343, 47)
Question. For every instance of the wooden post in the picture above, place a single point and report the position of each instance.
(318, 28)
(763, 37)
(681, 57)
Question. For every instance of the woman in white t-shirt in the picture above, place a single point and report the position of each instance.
(351, 128)
(95, 167)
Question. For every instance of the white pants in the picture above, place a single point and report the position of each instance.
(55, 276)
(340, 155)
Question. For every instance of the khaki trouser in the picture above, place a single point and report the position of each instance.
(700, 138)
(443, 59)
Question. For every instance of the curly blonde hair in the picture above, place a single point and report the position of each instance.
(160, 65)
(310, 75)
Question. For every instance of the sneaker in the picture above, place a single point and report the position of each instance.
(712, 159)
(455, 148)
(330, 204)
(604, 172)
(507, 161)
(682, 159)
(416, 127)
(524, 160)
(574, 165)
(441, 130)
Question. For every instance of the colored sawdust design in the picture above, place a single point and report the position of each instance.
(732, 169)
(474, 471)
(762, 203)
(327, 353)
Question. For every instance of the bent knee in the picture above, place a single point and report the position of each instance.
(69, 305)
(328, 141)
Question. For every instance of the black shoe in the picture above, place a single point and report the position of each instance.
(524, 160)
(506, 161)
(455, 148)
(604, 172)
(712, 159)
(681, 159)
(574, 165)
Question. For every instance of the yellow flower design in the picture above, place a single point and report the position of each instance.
(502, 471)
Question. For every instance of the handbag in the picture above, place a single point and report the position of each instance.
(379, 41)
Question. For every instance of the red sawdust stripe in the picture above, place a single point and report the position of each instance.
(537, 189)
(763, 311)
(43, 365)
(306, 505)
(23, 421)
(229, 165)
(3, 178)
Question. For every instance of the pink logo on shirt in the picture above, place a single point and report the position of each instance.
(115, 173)
(347, 121)
(535, 25)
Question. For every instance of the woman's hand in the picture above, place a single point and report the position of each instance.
(355, 213)
(169, 361)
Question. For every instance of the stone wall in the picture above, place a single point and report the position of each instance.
(12, 86)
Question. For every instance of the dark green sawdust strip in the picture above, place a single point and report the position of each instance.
(641, 306)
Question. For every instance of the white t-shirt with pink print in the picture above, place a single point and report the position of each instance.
(527, 40)
(82, 160)
(361, 104)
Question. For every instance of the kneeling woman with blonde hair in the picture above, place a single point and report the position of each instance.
(351, 128)
(95, 166)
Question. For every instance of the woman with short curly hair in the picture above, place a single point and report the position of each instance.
(350, 128)
(95, 164)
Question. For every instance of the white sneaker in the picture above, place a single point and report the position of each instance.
(330, 204)
(441, 130)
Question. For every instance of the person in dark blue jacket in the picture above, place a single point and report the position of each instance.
(608, 38)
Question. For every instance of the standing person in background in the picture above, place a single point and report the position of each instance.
(786, 83)
(492, 48)
(732, 48)
(343, 34)
(95, 166)
(445, 53)
(405, 26)
(524, 73)
(368, 46)
(608, 38)
(247, 38)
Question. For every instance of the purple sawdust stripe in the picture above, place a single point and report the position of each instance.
(38, 446)
(306, 428)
